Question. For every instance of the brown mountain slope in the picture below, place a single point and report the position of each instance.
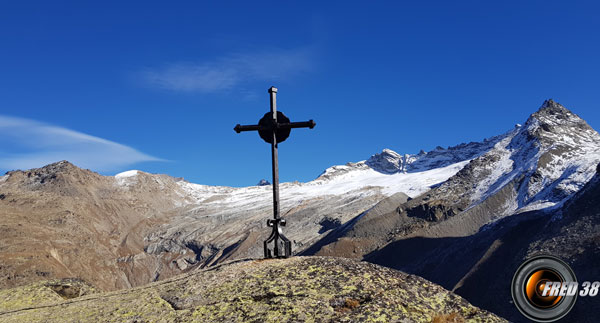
(298, 289)
(62, 221)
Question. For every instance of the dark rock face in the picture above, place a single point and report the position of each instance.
(329, 223)
(432, 212)
(263, 182)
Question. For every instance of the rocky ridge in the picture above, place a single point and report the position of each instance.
(298, 289)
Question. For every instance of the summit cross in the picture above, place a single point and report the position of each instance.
(274, 127)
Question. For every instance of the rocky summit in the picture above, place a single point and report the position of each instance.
(300, 289)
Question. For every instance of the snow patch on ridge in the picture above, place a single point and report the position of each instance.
(127, 177)
(128, 173)
(412, 184)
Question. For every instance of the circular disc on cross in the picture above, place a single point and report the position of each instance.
(267, 126)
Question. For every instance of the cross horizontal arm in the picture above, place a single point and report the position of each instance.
(303, 124)
(239, 128)
(291, 125)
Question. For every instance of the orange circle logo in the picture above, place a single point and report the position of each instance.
(535, 285)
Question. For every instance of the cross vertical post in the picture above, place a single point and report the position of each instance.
(274, 127)
(274, 155)
(276, 233)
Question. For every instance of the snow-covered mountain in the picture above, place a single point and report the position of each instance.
(537, 166)
(534, 192)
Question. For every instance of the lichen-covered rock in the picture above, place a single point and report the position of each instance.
(299, 289)
(43, 293)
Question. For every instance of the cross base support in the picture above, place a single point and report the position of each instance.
(275, 236)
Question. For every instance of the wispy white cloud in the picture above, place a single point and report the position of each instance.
(28, 144)
(231, 70)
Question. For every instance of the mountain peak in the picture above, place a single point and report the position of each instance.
(552, 107)
(62, 173)
(60, 167)
(554, 118)
(551, 103)
(263, 182)
(387, 162)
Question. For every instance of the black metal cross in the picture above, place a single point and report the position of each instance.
(274, 127)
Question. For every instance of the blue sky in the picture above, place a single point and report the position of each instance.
(158, 86)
